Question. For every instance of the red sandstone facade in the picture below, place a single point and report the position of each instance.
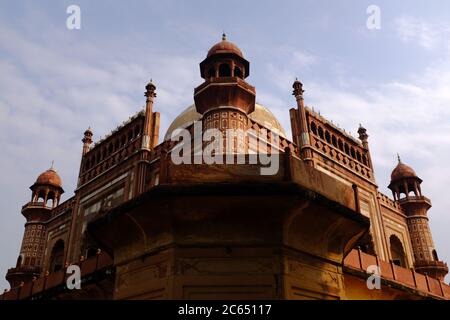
(141, 227)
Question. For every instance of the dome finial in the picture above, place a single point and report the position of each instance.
(224, 36)
(53, 163)
(398, 158)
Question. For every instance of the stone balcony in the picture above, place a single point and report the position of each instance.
(24, 269)
(414, 199)
(437, 269)
(440, 264)
(22, 274)
(37, 211)
(33, 205)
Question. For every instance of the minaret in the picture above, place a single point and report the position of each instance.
(299, 124)
(404, 181)
(363, 136)
(87, 140)
(150, 135)
(150, 132)
(45, 195)
(225, 98)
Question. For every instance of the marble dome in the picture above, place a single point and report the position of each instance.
(261, 115)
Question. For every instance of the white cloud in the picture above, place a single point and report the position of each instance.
(50, 93)
(409, 117)
(429, 35)
(303, 59)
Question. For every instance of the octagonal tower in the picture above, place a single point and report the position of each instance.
(405, 181)
(225, 98)
(46, 194)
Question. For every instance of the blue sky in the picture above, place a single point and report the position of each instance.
(56, 82)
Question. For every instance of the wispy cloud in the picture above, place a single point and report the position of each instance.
(303, 59)
(427, 34)
(407, 116)
(51, 90)
(54, 84)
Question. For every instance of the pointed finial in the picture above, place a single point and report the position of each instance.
(88, 131)
(224, 36)
(53, 162)
(398, 158)
(362, 131)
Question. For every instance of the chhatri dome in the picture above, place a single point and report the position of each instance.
(402, 171)
(224, 46)
(49, 177)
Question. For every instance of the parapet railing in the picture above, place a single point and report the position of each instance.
(357, 259)
(388, 201)
(48, 281)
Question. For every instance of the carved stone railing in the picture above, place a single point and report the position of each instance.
(341, 157)
(66, 205)
(283, 143)
(110, 160)
(55, 279)
(390, 272)
(388, 202)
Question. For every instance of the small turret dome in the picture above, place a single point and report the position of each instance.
(49, 177)
(402, 171)
(224, 46)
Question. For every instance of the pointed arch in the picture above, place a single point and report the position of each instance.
(57, 256)
(435, 255)
(397, 251)
(238, 72)
(224, 70)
